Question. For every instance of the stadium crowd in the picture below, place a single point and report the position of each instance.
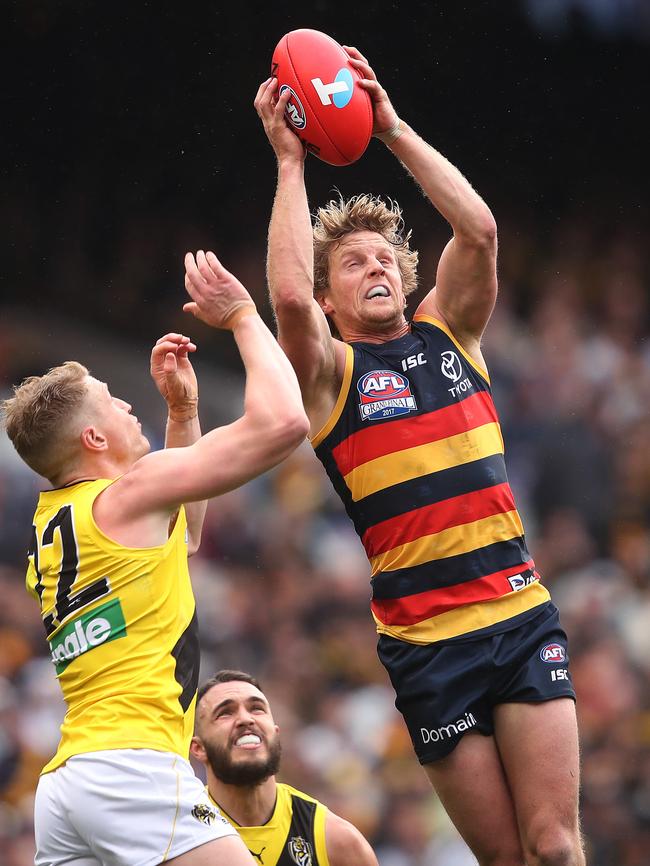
(282, 582)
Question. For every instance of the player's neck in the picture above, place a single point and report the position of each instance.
(371, 336)
(248, 806)
(90, 470)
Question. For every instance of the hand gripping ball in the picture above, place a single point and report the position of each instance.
(327, 109)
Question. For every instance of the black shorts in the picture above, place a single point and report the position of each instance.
(449, 688)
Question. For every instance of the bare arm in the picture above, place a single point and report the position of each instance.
(346, 846)
(302, 327)
(174, 377)
(466, 281)
(273, 423)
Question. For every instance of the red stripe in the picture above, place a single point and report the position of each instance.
(376, 441)
(415, 608)
(456, 511)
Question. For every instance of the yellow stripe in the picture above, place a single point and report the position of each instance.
(383, 472)
(319, 835)
(178, 804)
(450, 542)
(468, 618)
(340, 402)
(468, 357)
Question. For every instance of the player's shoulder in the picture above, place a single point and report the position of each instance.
(346, 845)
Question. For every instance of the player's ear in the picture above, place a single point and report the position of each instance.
(93, 439)
(197, 749)
(324, 304)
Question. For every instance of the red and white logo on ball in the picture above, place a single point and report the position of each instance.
(294, 111)
(552, 652)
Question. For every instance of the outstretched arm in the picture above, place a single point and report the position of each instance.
(174, 377)
(273, 423)
(302, 327)
(466, 281)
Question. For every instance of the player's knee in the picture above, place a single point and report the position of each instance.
(556, 846)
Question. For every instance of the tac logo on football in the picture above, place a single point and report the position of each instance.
(294, 111)
(552, 653)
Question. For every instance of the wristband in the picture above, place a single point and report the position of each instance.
(392, 134)
(185, 415)
(249, 309)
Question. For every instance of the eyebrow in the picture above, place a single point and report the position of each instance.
(254, 699)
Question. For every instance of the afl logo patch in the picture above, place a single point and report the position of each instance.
(294, 111)
(384, 394)
(552, 653)
(451, 367)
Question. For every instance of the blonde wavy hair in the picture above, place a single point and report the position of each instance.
(362, 213)
(39, 416)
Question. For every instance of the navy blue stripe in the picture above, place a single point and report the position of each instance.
(451, 570)
(434, 487)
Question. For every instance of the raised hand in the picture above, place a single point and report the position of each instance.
(218, 298)
(270, 109)
(385, 116)
(174, 375)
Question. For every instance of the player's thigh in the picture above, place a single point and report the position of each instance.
(228, 851)
(538, 743)
(138, 807)
(57, 841)
(471, 785)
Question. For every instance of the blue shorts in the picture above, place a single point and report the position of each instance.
(449, 688)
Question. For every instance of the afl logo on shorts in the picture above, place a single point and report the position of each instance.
(451, 366)
(552, 653)
(384, 394)
(294, 111)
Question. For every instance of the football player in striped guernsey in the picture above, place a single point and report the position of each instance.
(402, 419)
(238, 742)
(108, 566)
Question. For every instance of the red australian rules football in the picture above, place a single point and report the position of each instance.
(327, 109)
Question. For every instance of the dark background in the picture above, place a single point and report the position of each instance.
(130, 135)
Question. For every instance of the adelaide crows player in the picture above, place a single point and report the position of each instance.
(403, 421)
(108, 565)
(238, 742)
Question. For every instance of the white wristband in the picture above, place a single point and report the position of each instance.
(392, 134)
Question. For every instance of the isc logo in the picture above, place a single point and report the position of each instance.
(552, 653)
(339, 92)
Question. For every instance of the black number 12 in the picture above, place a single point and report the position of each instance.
(65, 602)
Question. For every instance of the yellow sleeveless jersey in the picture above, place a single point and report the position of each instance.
(295, 832)
(121, 627)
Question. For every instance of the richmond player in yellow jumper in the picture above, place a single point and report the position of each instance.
(239, 744)
(108, 564)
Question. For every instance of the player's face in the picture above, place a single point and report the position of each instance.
(239, 737)
(114, 419)
(365, 283)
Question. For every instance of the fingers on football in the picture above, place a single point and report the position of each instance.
(362, 67)
(282, 102)
(355, 54)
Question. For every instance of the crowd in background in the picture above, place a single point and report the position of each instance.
(282, 582)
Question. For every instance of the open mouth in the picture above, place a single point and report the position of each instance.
(248, 741)
(379, 291)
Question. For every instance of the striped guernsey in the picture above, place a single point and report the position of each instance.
(414, 449)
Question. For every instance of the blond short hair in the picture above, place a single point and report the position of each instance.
(362, 213)
(37, 418)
